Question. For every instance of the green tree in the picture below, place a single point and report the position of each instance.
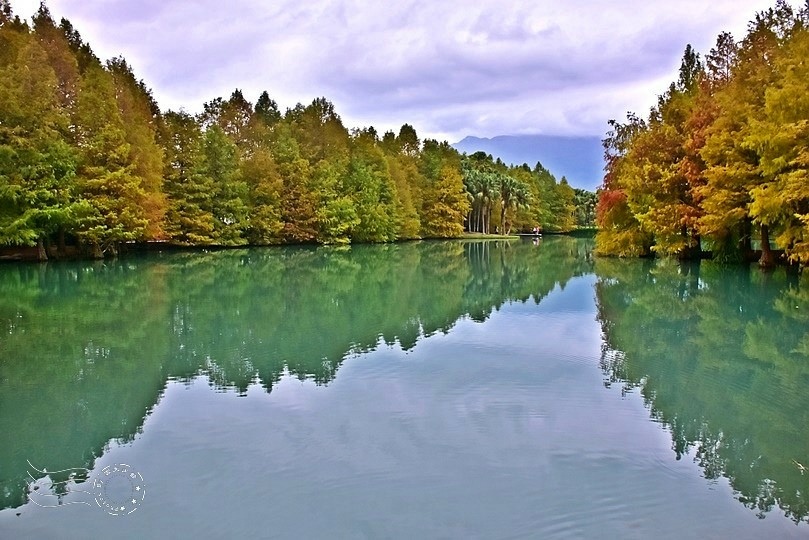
(319, 207)
(513, 194)
(372, 189)
(781, 138)
(408, 140)
(337, 216)
(140, 116)
(733, 160)
(563, 206)
(298, 201)
(721, 59)
(691, 70)
(189, 216)
(220, 170)
(488, 185)
(106, 176)
(85, 57)
(266, 109)
(233, 116)
(656, 171)
(619, 232)
(404, 174)
(265, 185)
(445, 204)
(37, 168)
(585, 202)
(60, 56)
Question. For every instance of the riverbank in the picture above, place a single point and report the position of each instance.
(71, 253)
(481, 236)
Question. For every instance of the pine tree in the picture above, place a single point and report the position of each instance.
(37, 168)
(107, 179)
(298, 202)
(220, 170)
(260, 173)
(781, 137)
(189, 215)
(140, 116)
(372, 190)
(445, 203)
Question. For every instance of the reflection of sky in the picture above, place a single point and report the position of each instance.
(499, 429)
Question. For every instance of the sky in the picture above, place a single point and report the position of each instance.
(451, 68)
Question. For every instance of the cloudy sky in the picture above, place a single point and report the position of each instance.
(449, 67)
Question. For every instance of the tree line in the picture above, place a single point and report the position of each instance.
(722, 160)
(88, 159)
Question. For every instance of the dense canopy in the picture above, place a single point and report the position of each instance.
(722, 161)
(89, 162)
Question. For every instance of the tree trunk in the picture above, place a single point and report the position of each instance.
(685, 253)
(49, 249)
(96, 251)
(767, 259)
(745, 247)
(61, 242)
(503, 219)
(42, 256)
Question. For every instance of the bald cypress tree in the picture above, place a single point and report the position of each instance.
(37, 168)
(444, 203)
(107, 179)
(140, 117)
(266, 109)
(189, 213)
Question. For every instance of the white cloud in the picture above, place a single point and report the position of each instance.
(451, 68)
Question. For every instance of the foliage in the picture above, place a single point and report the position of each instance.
(525, 199)
(87, 157)
(722, 158)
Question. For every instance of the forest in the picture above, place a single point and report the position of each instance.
(89, 163)
(721, 164)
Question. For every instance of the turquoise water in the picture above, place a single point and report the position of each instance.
(433, 389)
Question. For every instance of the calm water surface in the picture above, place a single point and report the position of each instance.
(424, 390)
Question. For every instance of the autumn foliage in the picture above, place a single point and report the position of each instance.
(722, 161)
(89, 162)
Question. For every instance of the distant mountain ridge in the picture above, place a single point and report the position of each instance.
(579, 159)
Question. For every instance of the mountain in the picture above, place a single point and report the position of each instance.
(579, 159)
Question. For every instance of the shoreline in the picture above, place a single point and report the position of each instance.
(30, 254)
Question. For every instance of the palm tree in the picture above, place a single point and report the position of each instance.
(513, 193)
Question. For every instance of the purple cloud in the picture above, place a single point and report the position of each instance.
(450, 68)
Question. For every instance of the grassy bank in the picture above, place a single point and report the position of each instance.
(481, 236)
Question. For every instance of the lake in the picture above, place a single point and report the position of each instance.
(419, 390)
